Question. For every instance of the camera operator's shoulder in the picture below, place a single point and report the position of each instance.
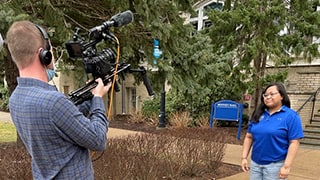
(60, 100)
(55, 96)
(61, 96)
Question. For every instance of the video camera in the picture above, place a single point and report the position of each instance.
(101, 64)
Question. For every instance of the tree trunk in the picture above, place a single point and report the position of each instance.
(11, 74)
(256, 78)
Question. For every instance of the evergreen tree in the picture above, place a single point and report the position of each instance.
(262, 32)
(203, 69)
(152, 19)
(202, 76)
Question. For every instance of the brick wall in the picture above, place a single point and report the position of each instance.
(301, 83)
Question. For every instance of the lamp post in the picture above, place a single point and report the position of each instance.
(157, 52)
(162, 115)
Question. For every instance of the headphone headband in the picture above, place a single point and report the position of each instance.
(45, 54)
(45, 36)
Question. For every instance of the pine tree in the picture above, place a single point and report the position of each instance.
(262, 32)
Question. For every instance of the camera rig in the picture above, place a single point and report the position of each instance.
(104, 64)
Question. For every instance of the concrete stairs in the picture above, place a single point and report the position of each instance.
(312, 133)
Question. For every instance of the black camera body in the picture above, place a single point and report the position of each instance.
(101, 64)
(97, 63)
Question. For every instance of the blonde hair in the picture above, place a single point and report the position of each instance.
(24, 40)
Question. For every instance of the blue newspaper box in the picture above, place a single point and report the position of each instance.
(227, 110)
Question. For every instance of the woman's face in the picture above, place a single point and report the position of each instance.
(272, 98)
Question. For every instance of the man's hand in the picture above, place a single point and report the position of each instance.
(100, 90)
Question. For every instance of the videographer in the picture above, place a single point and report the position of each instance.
(57, 134)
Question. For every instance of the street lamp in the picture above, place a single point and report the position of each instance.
(157, 52)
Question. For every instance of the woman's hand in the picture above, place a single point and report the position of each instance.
(284, 172)
(244, 165)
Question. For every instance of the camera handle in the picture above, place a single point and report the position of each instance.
(145, 79)
(84, 93)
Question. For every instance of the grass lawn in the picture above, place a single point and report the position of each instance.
(7, 132)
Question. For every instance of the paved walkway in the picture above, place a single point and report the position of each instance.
(306, 166)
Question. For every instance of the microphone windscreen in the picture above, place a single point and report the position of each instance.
(122, 19)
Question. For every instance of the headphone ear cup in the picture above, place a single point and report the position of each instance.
(45, 54)
(45, 57)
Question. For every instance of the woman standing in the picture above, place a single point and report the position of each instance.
(274, 133)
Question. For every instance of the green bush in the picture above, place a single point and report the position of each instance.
(174, 102)
(4, 98)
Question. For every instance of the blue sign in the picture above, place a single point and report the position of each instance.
(227, 110)
(157, 52)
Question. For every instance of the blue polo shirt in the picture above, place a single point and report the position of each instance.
(271, 136)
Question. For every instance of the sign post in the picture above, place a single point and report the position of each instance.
(157, 52)
(227, 110)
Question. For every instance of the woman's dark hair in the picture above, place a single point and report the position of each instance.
(261, 108)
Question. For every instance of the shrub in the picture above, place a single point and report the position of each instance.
(4, 98)
(203, 121)
(171, 154)
(180, 119)
(174, 102)
(179, 153)
(136, 118)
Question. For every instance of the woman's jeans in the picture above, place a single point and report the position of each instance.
(265, 172)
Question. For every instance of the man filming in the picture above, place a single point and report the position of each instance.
(57, 134)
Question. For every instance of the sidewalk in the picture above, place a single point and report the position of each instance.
(306, 166)
(5, 117)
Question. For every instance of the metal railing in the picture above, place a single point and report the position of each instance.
(312, 98)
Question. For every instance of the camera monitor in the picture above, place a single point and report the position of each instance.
(74, 49)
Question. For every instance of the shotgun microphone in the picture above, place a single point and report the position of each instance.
(117, 20)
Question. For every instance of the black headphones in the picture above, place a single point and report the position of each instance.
(45, 53)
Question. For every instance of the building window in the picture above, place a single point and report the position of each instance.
(207, 23)
(201, 21)
(213, 6)
(195, 24)
(133, 98)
